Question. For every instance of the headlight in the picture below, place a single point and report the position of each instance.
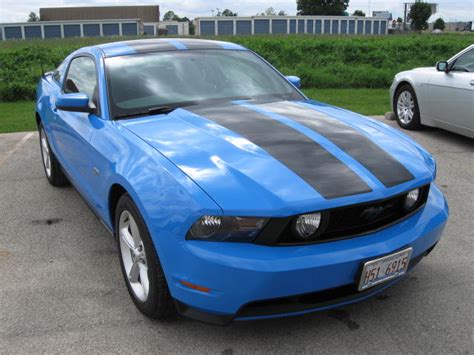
(307, 225)
(412, 198)
(225, 228)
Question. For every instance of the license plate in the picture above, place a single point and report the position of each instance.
(384, 269)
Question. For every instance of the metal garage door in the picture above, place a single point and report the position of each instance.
(13, 32)
(343, 26)
(318, 27)
(91, 30)
(52, 31)
(261, 27)
(327, 26)
(149, 30)
(300, 26)
(225, 27)
(129, 29)
(279, 26)
(368, 27)
(207, 28)
(72, 30)
(243, 27)
(351, 26)
(32, 31)
(292, 26)
(172, 29)
(110, 29)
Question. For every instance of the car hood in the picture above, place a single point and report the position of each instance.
(418, 70)
(427, 69)
(281, 158)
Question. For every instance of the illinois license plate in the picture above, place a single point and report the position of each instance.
(384, 269)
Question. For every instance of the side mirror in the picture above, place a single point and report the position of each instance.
(294, 80)
(75, 102)
(442, 65)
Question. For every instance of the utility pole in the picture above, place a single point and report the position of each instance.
(405, 17)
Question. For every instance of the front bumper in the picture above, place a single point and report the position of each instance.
(247, 281)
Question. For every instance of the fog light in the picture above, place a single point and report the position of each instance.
(307, 224)
(412, 198)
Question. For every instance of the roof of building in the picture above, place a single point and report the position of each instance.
(161, 45)
(147, 13)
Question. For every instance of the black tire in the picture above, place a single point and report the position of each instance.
(159, 304)
(414, 123)
(55, 174)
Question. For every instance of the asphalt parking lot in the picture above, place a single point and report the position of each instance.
(61, 289)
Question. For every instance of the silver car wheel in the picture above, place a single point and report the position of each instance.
(45, 153)
(405, 107)
(133, 256)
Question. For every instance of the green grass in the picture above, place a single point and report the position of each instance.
(365, 101)
(19, 116)
(323, 62)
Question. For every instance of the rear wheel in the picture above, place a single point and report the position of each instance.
(406, 108)
(52, 168)
(140, 265)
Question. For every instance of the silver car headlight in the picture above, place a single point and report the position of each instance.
(226, 228)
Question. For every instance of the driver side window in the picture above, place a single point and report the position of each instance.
(82, 77)
(464, 63)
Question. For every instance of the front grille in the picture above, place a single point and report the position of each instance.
(344, 222)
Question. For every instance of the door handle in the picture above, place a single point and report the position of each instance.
(471, 82)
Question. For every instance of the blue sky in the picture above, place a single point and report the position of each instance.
(18, 10)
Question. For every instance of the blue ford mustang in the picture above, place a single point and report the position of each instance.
(233, 196)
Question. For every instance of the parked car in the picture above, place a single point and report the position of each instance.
(232, 195)
(441, 96)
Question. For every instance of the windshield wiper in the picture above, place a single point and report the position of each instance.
(151, 111)
(160, 109)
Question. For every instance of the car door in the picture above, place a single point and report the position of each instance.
(451, 95)
(73, 130)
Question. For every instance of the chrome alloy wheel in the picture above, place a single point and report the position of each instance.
(405, 107)
(45, 153)
(133, 256)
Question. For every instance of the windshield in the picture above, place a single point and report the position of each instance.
(142, 82)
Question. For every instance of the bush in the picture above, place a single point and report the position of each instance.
(439, 24)
(320, 61)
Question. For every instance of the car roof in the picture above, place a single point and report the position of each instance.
(115, 49)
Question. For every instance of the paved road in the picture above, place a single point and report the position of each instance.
(61, 289)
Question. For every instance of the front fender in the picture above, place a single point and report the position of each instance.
(168, 200)
(403, 77)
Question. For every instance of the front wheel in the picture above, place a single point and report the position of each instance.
(405, 106)
(140, 265)
(52, 168)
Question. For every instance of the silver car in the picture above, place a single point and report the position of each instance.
(441, 96)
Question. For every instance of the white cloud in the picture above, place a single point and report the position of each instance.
(17, 11)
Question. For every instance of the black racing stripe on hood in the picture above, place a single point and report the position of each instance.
(305, 157)
(382, 165)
